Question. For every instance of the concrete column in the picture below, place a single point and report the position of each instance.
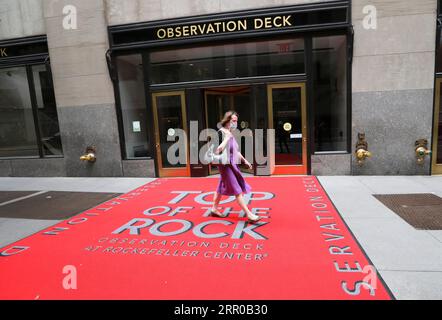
(393, 76)
(83, 89)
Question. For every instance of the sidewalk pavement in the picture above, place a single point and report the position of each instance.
(409, 260)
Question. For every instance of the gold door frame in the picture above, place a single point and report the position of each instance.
(170, 172)
(436, 168)
(295, 168)
(213, 91)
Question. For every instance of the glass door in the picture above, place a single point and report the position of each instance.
(220, 100)
(287, 115)
(169, 111)
(436, 154)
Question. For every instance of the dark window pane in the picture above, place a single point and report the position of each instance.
(439, 126)
(170, 117)
(47, 111)
(237, 60)
(439, 51)
(17, 129)
(330, 93)
(287, 122)
(222, 100)
(133, 105)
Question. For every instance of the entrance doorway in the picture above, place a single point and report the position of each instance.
(220, 100)
(287, 115)
(286, 112)
(169, 111)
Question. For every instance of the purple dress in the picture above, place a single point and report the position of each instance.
(231, 181)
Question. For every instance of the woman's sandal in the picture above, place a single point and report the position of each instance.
(254, 220)
(217, 214)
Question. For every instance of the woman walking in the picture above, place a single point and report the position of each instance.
(231, 182)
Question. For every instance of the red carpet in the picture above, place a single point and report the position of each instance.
(180, 253)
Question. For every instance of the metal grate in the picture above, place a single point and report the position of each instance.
(421, 210)
(6, 196)
(54, 205)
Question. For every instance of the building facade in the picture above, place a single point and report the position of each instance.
(119, 76)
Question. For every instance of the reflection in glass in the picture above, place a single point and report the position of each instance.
(233, 60)
(17, 129)
(330, 93)
(133, 106)
(47, 111)
(287, 122)
(170, 117)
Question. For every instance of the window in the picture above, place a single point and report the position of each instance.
(47, 111)
(28, 116)
(226, 61)
(133, 106)
(17, 127)
(330, 93)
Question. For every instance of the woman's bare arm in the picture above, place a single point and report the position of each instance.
(227, 136)
(243, 159)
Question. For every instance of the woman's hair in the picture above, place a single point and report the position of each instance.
(227, 117)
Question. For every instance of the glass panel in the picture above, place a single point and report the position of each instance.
(330, 93)
(233, 60)
(287, 122)
(242, 106)
(236, 99)
(439, 126)
(170, 116)
(217, 105)
(439, 50)
(47, 111)
(133, 106)
(17, 129)
(222, 100)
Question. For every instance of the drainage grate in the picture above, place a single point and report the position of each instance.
(11, 195)
(54, 205)
(421, 210)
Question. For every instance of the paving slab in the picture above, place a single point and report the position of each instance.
(12, 230)
(437, 234)
(400, 184)
(406, 285)
(397, 246)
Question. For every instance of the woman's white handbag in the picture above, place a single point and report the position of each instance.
(212, 158)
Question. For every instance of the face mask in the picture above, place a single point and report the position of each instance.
(233, 125)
